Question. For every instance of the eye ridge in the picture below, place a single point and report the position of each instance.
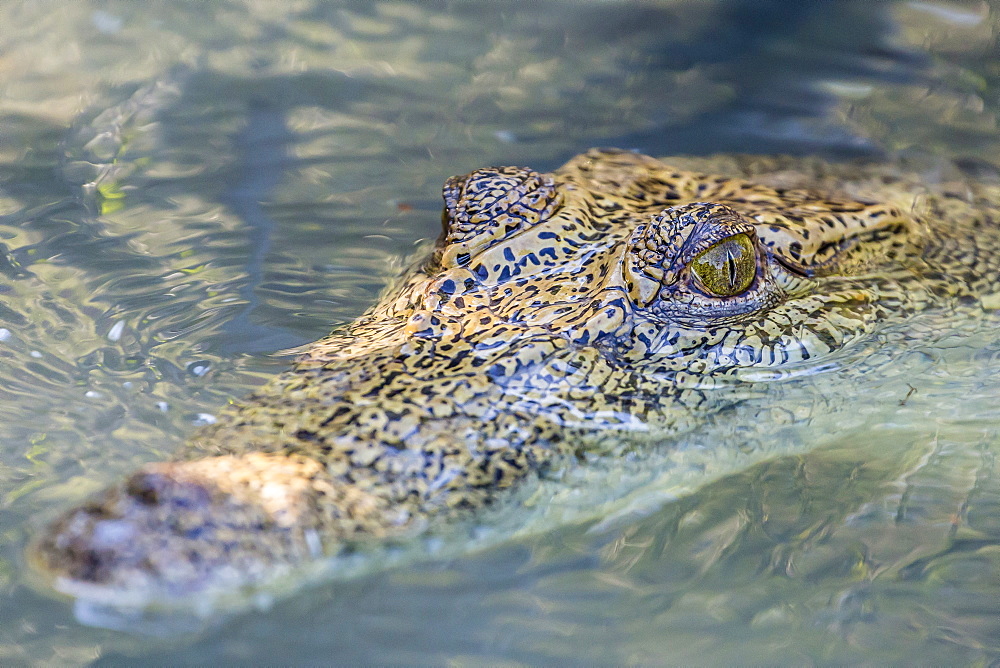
(728, 267)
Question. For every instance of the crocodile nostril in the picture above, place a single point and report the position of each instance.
(162, 486)
(146, 488)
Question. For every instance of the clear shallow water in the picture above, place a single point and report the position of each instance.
(261, 171)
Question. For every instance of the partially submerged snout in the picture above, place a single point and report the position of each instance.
(178, 529)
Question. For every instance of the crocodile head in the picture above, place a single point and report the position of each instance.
(615, 298)
(659, 267)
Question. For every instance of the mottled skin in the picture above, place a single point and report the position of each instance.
(607, 305)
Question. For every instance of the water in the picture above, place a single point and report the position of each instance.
(188, 191)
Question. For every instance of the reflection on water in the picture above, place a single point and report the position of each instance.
(187, 190)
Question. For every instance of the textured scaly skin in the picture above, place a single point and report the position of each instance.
(558, 315)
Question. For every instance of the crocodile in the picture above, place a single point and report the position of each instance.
(613, 303)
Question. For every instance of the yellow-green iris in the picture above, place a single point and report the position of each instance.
(727, 268)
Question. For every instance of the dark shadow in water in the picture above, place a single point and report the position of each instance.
(772, 55)
(261, 159)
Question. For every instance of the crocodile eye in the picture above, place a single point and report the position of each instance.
(727, 268)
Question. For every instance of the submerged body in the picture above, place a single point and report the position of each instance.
(608, 305)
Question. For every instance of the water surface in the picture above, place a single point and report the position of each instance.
(190, 190)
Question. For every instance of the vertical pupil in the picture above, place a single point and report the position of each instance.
(727, 268)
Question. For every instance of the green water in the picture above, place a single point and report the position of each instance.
(188, 191)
